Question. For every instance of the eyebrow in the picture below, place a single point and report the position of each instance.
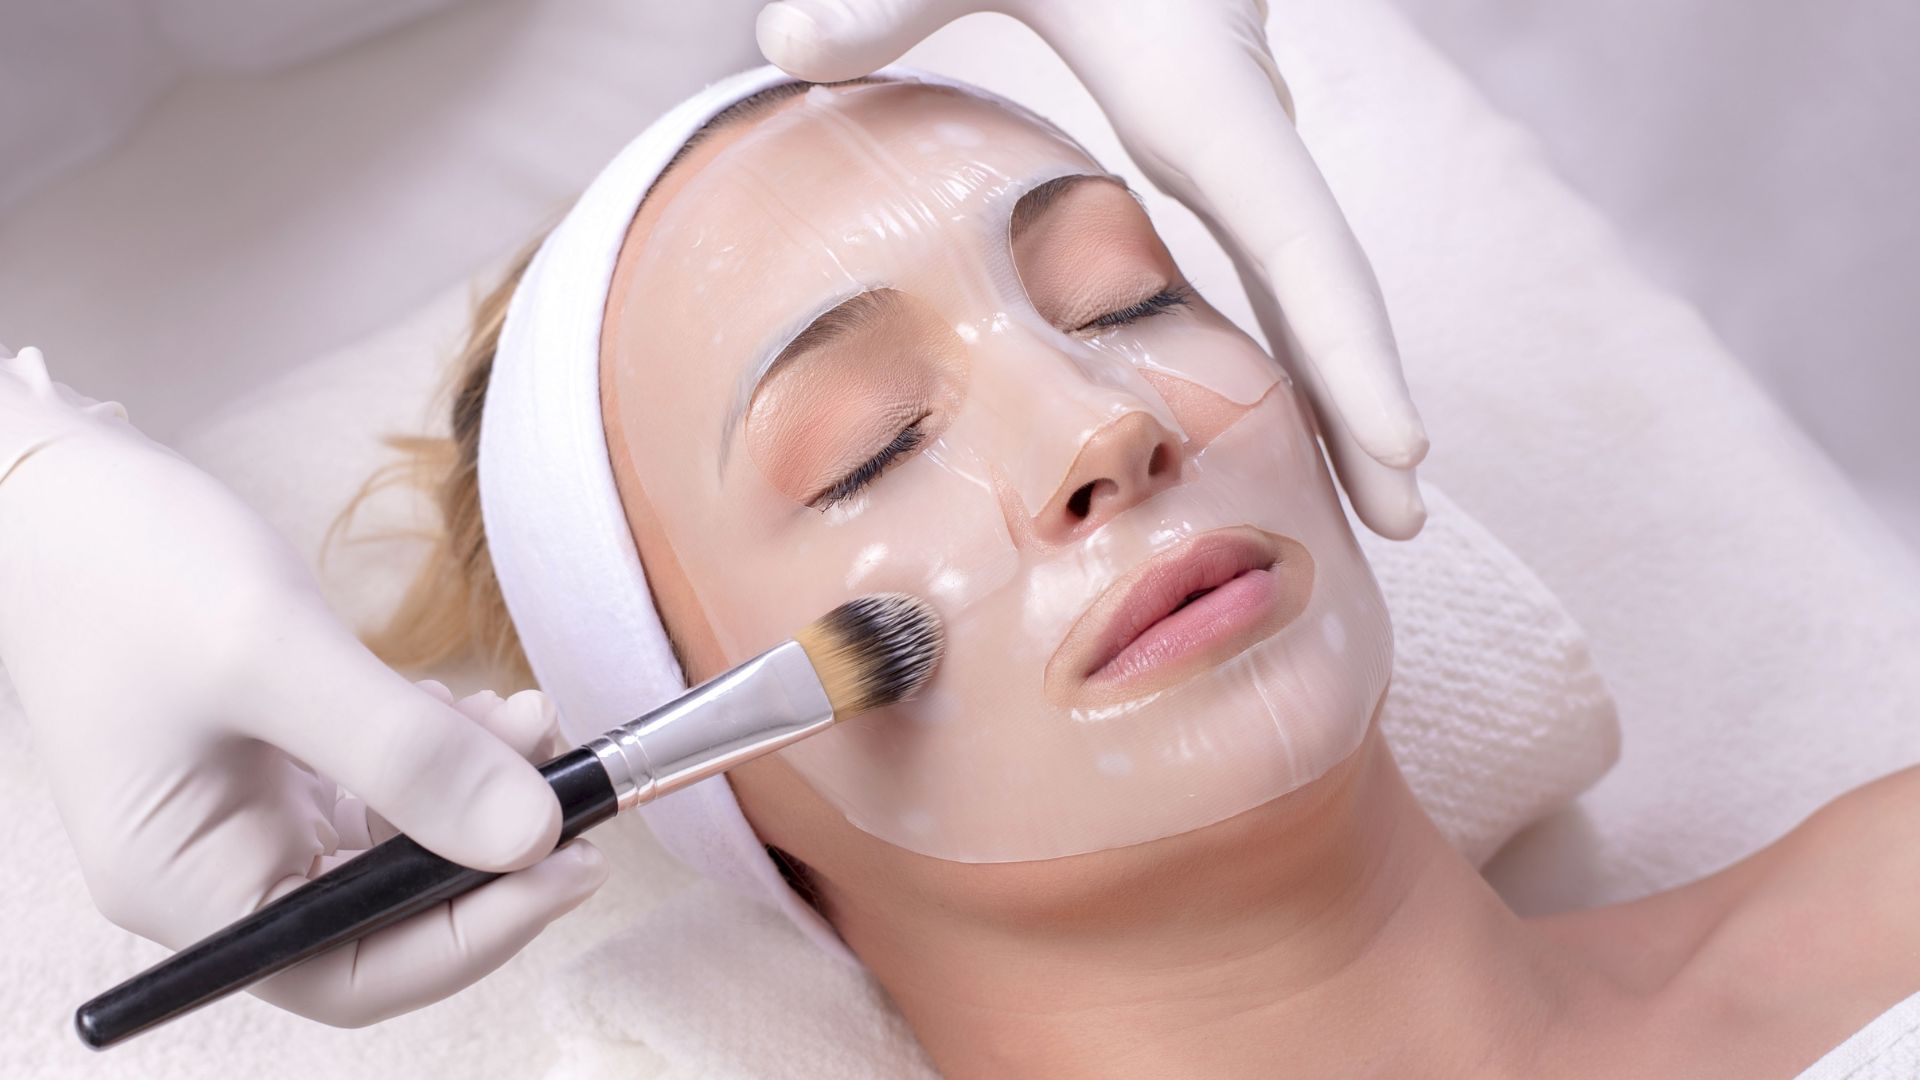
(834, 324)
(1034, 204)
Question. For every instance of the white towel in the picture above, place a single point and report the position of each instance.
(1887, 1049)
(1496, 713)
(709, 986)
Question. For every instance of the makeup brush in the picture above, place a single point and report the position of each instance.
(863, 655)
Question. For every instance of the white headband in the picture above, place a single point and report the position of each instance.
(558, 536)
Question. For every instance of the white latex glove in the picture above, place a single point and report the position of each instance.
(196, 709)
(1194, 94)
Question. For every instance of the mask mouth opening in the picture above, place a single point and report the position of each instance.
(1181, 613)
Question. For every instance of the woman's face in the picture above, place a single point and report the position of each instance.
(902, 338)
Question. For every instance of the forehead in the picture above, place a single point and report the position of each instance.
(839, 171)
(841, 190)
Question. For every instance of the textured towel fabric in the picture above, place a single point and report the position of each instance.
(1887, 1049)
(1496, 713)
(710, 985)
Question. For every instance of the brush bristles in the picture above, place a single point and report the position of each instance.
(874, 651)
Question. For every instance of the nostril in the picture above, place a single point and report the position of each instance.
(1158, 461)
(1080, 503)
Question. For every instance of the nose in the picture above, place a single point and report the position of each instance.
(1122, 464)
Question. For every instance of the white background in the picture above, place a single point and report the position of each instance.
(1760, 157)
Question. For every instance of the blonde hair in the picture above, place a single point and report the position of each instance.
(453, 610)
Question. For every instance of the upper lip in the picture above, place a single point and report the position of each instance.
(1152, 591)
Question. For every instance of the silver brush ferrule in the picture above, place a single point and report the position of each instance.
(771, 701)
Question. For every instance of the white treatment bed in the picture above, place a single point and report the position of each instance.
(1759, 628)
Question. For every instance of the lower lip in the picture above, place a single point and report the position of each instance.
(1230, 611)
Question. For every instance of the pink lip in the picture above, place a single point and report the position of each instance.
(1183, 611)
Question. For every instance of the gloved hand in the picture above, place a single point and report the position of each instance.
(1194, 94)
(196, 709)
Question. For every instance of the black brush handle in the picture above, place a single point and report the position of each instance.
(364, 894)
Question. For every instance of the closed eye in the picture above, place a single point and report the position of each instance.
(903, 444)
(914, 433)
(1167, 299)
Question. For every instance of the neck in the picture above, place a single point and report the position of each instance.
(1330, 932)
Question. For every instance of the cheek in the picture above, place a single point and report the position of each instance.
(1202, 413)
(868, 883)
(787, 813)
(766, 567)
(673, 593)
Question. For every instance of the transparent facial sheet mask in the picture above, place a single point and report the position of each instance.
(910, 190)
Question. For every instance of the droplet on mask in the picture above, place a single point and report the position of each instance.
(959, 134)
(870, 558)
(1335, 632)
(952, 585)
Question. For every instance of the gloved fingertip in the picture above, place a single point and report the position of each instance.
(794, 38)
(29, 364)
(476, 706)
(1417, 513)
(1403, 521)
(1394, 437)
(437, 690)
(1409, 448)
(1387, 501)
(564, 879)
(512, 824)
(783, 29)
(534, 724)
(1417, 443)
(589, 862)
(536, 711)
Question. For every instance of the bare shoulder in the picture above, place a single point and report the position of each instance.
(1832, 902)
(1826, 913)
(1865, 840)
(1781, 956)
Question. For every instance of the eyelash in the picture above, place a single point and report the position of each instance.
(1159, 303)
(911, 436)
(905, 443)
